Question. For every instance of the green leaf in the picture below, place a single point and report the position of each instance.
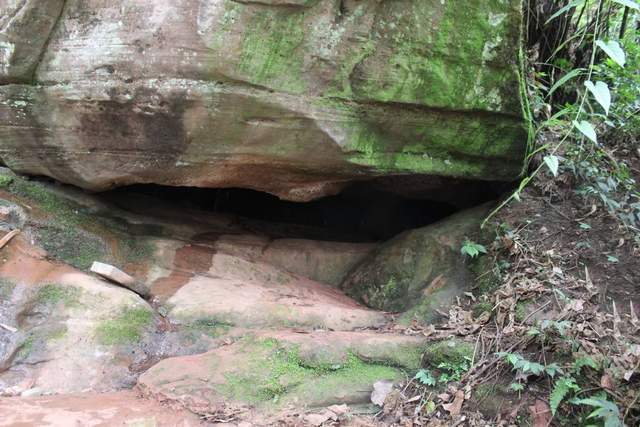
(628, 3)
(613, 49)
(517, 387)
(565, 9)
(570, 75)
(613, 259)
(430, 407)
(552, 163)
(600, 91)
(561, 388)
(605, 410)
(472, 249)
(586, 129)
(552, 369)
(426, 377)
(581, 362)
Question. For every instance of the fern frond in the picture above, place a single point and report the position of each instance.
(561, 388)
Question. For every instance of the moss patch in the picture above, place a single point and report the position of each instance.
(74, 234)
(271, 53)
(26, 348)
(71, 245)
(453, 352)
(126, 328)
(54, 294)
(62, 234)
(58, 333)
(276, 373)
(5, 180)
(481, 307)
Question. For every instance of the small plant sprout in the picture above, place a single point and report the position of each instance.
(426, 377)
(472, 249)
(613, 259)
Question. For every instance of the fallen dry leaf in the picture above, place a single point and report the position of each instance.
(321, 418)
(380, 391)
(339, 409)
(541, 413)
(455, 407)
(606, 382)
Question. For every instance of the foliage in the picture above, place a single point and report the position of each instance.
(426, 377)
(561, 389)
(523, 365)
(585, 88)
(447, 371)
(472, 249)
(605, 410)
(5, 181)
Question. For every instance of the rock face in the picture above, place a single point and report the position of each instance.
(304, 370)
(235, 319)
(293, 97)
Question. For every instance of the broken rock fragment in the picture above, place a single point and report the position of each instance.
(118, 276)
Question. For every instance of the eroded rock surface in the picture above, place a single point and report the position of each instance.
(276, 369)
(235, 319)
(291, 97)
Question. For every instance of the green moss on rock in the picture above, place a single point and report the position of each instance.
(53, 294)
(452, 351)
(5, 180)
(126, 328)
(418, 271)
(74, 234)
(275, 373)
(209, 326)
(271, 50)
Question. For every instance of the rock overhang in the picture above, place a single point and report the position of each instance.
(296, 98)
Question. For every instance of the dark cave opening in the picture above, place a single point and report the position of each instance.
(364, 212)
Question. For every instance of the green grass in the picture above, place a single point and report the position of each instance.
(126, 328)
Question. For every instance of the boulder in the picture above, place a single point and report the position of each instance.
(420, 270)
(272, 370)
(73, 332)
(293, 97)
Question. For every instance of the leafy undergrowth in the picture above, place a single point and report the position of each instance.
(556, 342)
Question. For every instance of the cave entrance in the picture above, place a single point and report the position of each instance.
(370, 211)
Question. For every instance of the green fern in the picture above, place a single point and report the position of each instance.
(584, 361)
(561, 388)
(426, 377)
